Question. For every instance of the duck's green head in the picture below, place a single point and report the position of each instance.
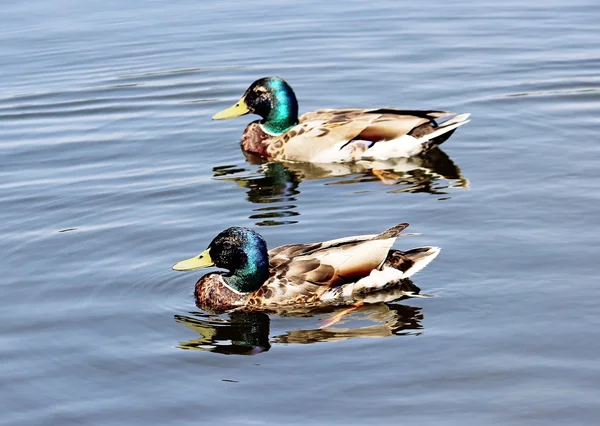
(271, 98)
(242, 252)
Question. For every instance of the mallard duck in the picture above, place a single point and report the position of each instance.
(334, 135)
(298, 275)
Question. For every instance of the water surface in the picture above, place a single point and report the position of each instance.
(112, 171)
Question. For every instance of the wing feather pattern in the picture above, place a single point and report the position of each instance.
(333, 262)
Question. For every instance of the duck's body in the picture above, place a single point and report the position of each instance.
(332, 272)
(334, 135)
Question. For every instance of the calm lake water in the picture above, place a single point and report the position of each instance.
(112, 171)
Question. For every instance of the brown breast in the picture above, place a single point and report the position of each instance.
(256, 141)
(213, 296)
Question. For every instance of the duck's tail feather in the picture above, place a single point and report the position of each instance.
(412, 261)
(443, 131)
(398, 266)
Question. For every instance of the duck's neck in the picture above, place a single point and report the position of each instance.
(283, 114)
(251, 276)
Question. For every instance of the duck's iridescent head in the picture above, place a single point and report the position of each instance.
(241, 251)
(271, 98)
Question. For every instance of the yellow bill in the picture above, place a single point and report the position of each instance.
(238, 109)
(203, 260)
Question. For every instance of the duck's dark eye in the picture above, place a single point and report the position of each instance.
(260, 91)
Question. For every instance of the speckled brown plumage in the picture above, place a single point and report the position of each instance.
(255, 140)
(213, 296)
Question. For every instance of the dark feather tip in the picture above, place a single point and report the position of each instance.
(392, 232)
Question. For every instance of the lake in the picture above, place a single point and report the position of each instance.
(112, 171)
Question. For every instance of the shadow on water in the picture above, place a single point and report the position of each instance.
(276, 185)
(249, 333)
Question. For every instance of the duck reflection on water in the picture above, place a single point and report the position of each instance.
(276, 185)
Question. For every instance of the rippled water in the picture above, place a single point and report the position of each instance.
(112, 171)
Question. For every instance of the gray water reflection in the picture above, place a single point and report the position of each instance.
(279, 183)
(248, 333)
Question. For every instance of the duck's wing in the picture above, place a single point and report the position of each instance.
(285, 253)
(322, 135)
(319, 132)
(333, 262)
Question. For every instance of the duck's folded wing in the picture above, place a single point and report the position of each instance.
(287, 252)
(337, 261)
(392, 123)
(321, 134)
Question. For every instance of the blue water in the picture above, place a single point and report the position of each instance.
(112, 171)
